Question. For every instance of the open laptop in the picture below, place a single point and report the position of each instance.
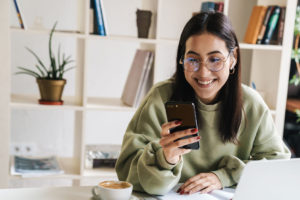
(270, 179)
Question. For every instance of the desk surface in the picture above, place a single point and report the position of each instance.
(54, 193)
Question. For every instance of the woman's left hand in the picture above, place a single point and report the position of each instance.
(204, 182)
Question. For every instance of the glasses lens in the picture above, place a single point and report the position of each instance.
(215, 63)
(191, 64)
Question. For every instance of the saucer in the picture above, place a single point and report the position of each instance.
(132, 197)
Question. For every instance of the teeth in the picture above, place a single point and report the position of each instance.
(205, 82)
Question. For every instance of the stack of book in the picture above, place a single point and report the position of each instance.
(138, 80)
(101, 156)
(209, 6)
(98, 23)
(27, 166)
(266, 25)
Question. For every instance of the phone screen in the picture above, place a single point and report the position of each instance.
(185, 112)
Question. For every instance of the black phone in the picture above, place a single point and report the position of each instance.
(185, 112)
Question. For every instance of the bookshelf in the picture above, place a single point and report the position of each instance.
(93, 112)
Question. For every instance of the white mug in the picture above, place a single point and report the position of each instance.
(112, 190)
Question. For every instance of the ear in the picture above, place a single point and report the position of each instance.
(234, 58)
(233, 63)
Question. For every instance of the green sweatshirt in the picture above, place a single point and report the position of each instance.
(142, 161)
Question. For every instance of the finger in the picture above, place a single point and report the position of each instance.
(201, 185)
(180, 134)
(197, 185)
(183, 133)
(180, 143)
(168, 125)
(192, 180)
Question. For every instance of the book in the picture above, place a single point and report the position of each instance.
(254, 24)
(97, 156)
(28, 166)
(104, 17)
(219, 7)
(271, 26)
(99, 18)
(281, 26)
(91, 18)
(20, 15)
(147, 79)
(264, 25)
(137, 78)
(207, 6)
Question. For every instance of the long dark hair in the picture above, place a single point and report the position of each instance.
(231, 93)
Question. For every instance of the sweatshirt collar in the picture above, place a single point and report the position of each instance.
(206, 107)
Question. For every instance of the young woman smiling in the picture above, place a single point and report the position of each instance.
(235, 125)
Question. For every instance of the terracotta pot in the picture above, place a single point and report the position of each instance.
(51, 90)
(143, 20)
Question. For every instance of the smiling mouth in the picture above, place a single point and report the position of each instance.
(205, 83)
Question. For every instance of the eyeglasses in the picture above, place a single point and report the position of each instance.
(214, 63)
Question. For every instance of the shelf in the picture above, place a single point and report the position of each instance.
(69, 165)
(94, 36)
(93, 103)
(31, 102)
(123, 38)
(47, 32)
(112, 104)
(71, 171)
(261, 47)
(102, 172)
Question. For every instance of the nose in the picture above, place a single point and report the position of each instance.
(203, 70)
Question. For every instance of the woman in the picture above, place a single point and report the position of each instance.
(235, 125)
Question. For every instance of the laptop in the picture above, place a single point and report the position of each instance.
(270, 179)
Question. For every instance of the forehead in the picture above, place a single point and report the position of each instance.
(205, 43)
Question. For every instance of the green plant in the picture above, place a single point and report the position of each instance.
(297, 111)
(57, 65)
(296, 51)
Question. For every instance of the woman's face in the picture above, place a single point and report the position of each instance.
(207, 48)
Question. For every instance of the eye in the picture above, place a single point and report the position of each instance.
(192, 60)
(214, 59)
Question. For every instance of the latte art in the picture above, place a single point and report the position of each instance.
(114, 184)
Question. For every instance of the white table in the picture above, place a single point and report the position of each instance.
(68, 193)
(54, 193)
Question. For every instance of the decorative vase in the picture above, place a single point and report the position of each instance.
(143, 21)
(51, 91)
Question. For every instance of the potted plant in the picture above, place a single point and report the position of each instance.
(50, 80)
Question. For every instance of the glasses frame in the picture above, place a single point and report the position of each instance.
(182, 61)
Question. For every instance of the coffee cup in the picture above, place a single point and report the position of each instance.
(112, 190)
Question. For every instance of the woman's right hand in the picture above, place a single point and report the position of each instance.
(171, 148)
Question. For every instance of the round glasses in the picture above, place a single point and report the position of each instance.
(213, 63)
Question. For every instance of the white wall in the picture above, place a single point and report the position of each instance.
(4, 91)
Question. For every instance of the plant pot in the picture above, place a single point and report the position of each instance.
(143, 21)
(51, 91)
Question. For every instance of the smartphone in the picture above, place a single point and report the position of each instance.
(185, 112)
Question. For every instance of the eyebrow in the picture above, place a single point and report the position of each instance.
(209, 53)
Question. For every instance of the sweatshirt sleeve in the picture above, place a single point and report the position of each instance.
(141, 161)
(264, 143)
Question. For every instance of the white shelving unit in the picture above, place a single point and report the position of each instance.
(102, 65)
